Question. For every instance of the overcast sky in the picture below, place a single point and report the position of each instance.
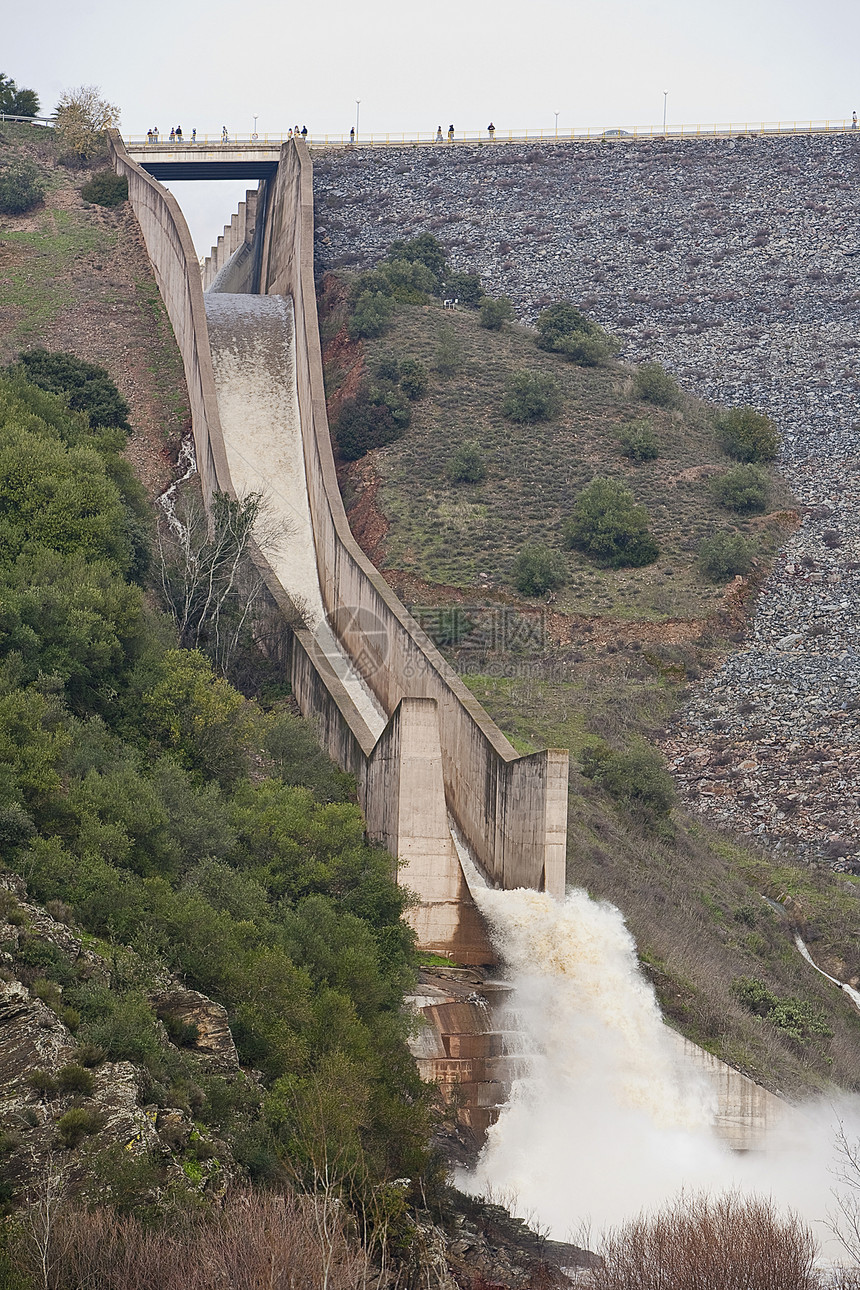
(603, 63)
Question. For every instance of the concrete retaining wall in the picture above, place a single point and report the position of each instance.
(174, 261)
(239, 233)
(511, 810)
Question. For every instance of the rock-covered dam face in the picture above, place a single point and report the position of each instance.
(734, 262)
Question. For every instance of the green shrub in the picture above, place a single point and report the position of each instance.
(371, 315)
(76, 1124)
(538, 569)
(800, 1020)
(89, 1055)
(75, 1079)
(563, 329)
(388, 370)
(557, 323)
(425, 249)
(638, 442)
(87, 387)
(653, 384)
(724, 555)
(467, 466)
(743, 488)
(413, 379)
(106, 188)
(184, 1034)
(449, 626)
(371, 420)
(748, 435)
(608, 525)
(495, 312)
(465, 287)
(21, 187)
(447, 350)
(531, 396)
(635, 778)
(42, 1082)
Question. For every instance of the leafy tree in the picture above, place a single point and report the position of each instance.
(199, 716)
(467, 466)
(413, 379)
(743, 488)
(371, 315)
(608, 525)
(531, 396)
(748, 435)
(15, 101)
(21, 187)
(564, 329)
(465, 287)
(724, 555)
(87, 386)
(653, 384)
(638, 441)
(106, 189)
(424, 249)
(538, 569)
(82, 117)
(496, 311)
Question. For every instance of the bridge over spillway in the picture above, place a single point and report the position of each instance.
(210, 160)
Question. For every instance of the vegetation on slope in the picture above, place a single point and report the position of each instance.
(472, 507)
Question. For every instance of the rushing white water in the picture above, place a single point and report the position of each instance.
(609, 1119)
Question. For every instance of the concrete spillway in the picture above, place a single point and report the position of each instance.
(252, 340)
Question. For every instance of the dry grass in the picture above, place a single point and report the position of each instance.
(254, 1241)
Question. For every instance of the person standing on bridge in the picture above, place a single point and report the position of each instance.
(352, 134)
(149, 136)
(194, 135)
(450, 134)
(172, 134)
(491, 130)
(224, 135)
(438, 134)
(304, 133)
(853, 120)
(179, 134)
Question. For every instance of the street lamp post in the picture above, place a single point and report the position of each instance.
(556, 125)
(255, 125)
(665, 93)
(357, 106)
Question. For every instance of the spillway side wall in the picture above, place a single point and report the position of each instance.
(174, 261)
(511, 810)
(238, 233)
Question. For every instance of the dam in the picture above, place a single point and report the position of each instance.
(440, 785)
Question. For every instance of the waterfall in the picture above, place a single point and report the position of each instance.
(608, 1119)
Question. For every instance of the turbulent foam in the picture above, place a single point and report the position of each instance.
(609, 1120)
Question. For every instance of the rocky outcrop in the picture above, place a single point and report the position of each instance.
(204, 1022)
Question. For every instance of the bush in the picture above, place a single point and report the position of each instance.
(538, 569)
(748, 435)
(495, 312)
(15, 101)
(106, 188)
(563, 329)
(413, 379)
(653, 384)
(634, 778)
(531, 396)
(76, 1124)
(370, 421)
(467, 466)
(425, 249)
(465, 287)
(371, 315)
(797, 1018)
(723, 1243)
(75, 1079)
(43, 1083)
(724, 555)
(638, 442)
(447, 350)
(609, 526)
(21, 187)
(87, 387)
(388, 370)
(89, 1055)
(743, 488)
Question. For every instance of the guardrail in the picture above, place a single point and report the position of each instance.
(28, 120)
(609, 134)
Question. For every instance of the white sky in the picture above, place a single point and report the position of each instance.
(601, 63)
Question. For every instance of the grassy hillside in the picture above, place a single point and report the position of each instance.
(468, 536)
(604, 667)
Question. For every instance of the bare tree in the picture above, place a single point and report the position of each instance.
(207, 565)
(44, 1207)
